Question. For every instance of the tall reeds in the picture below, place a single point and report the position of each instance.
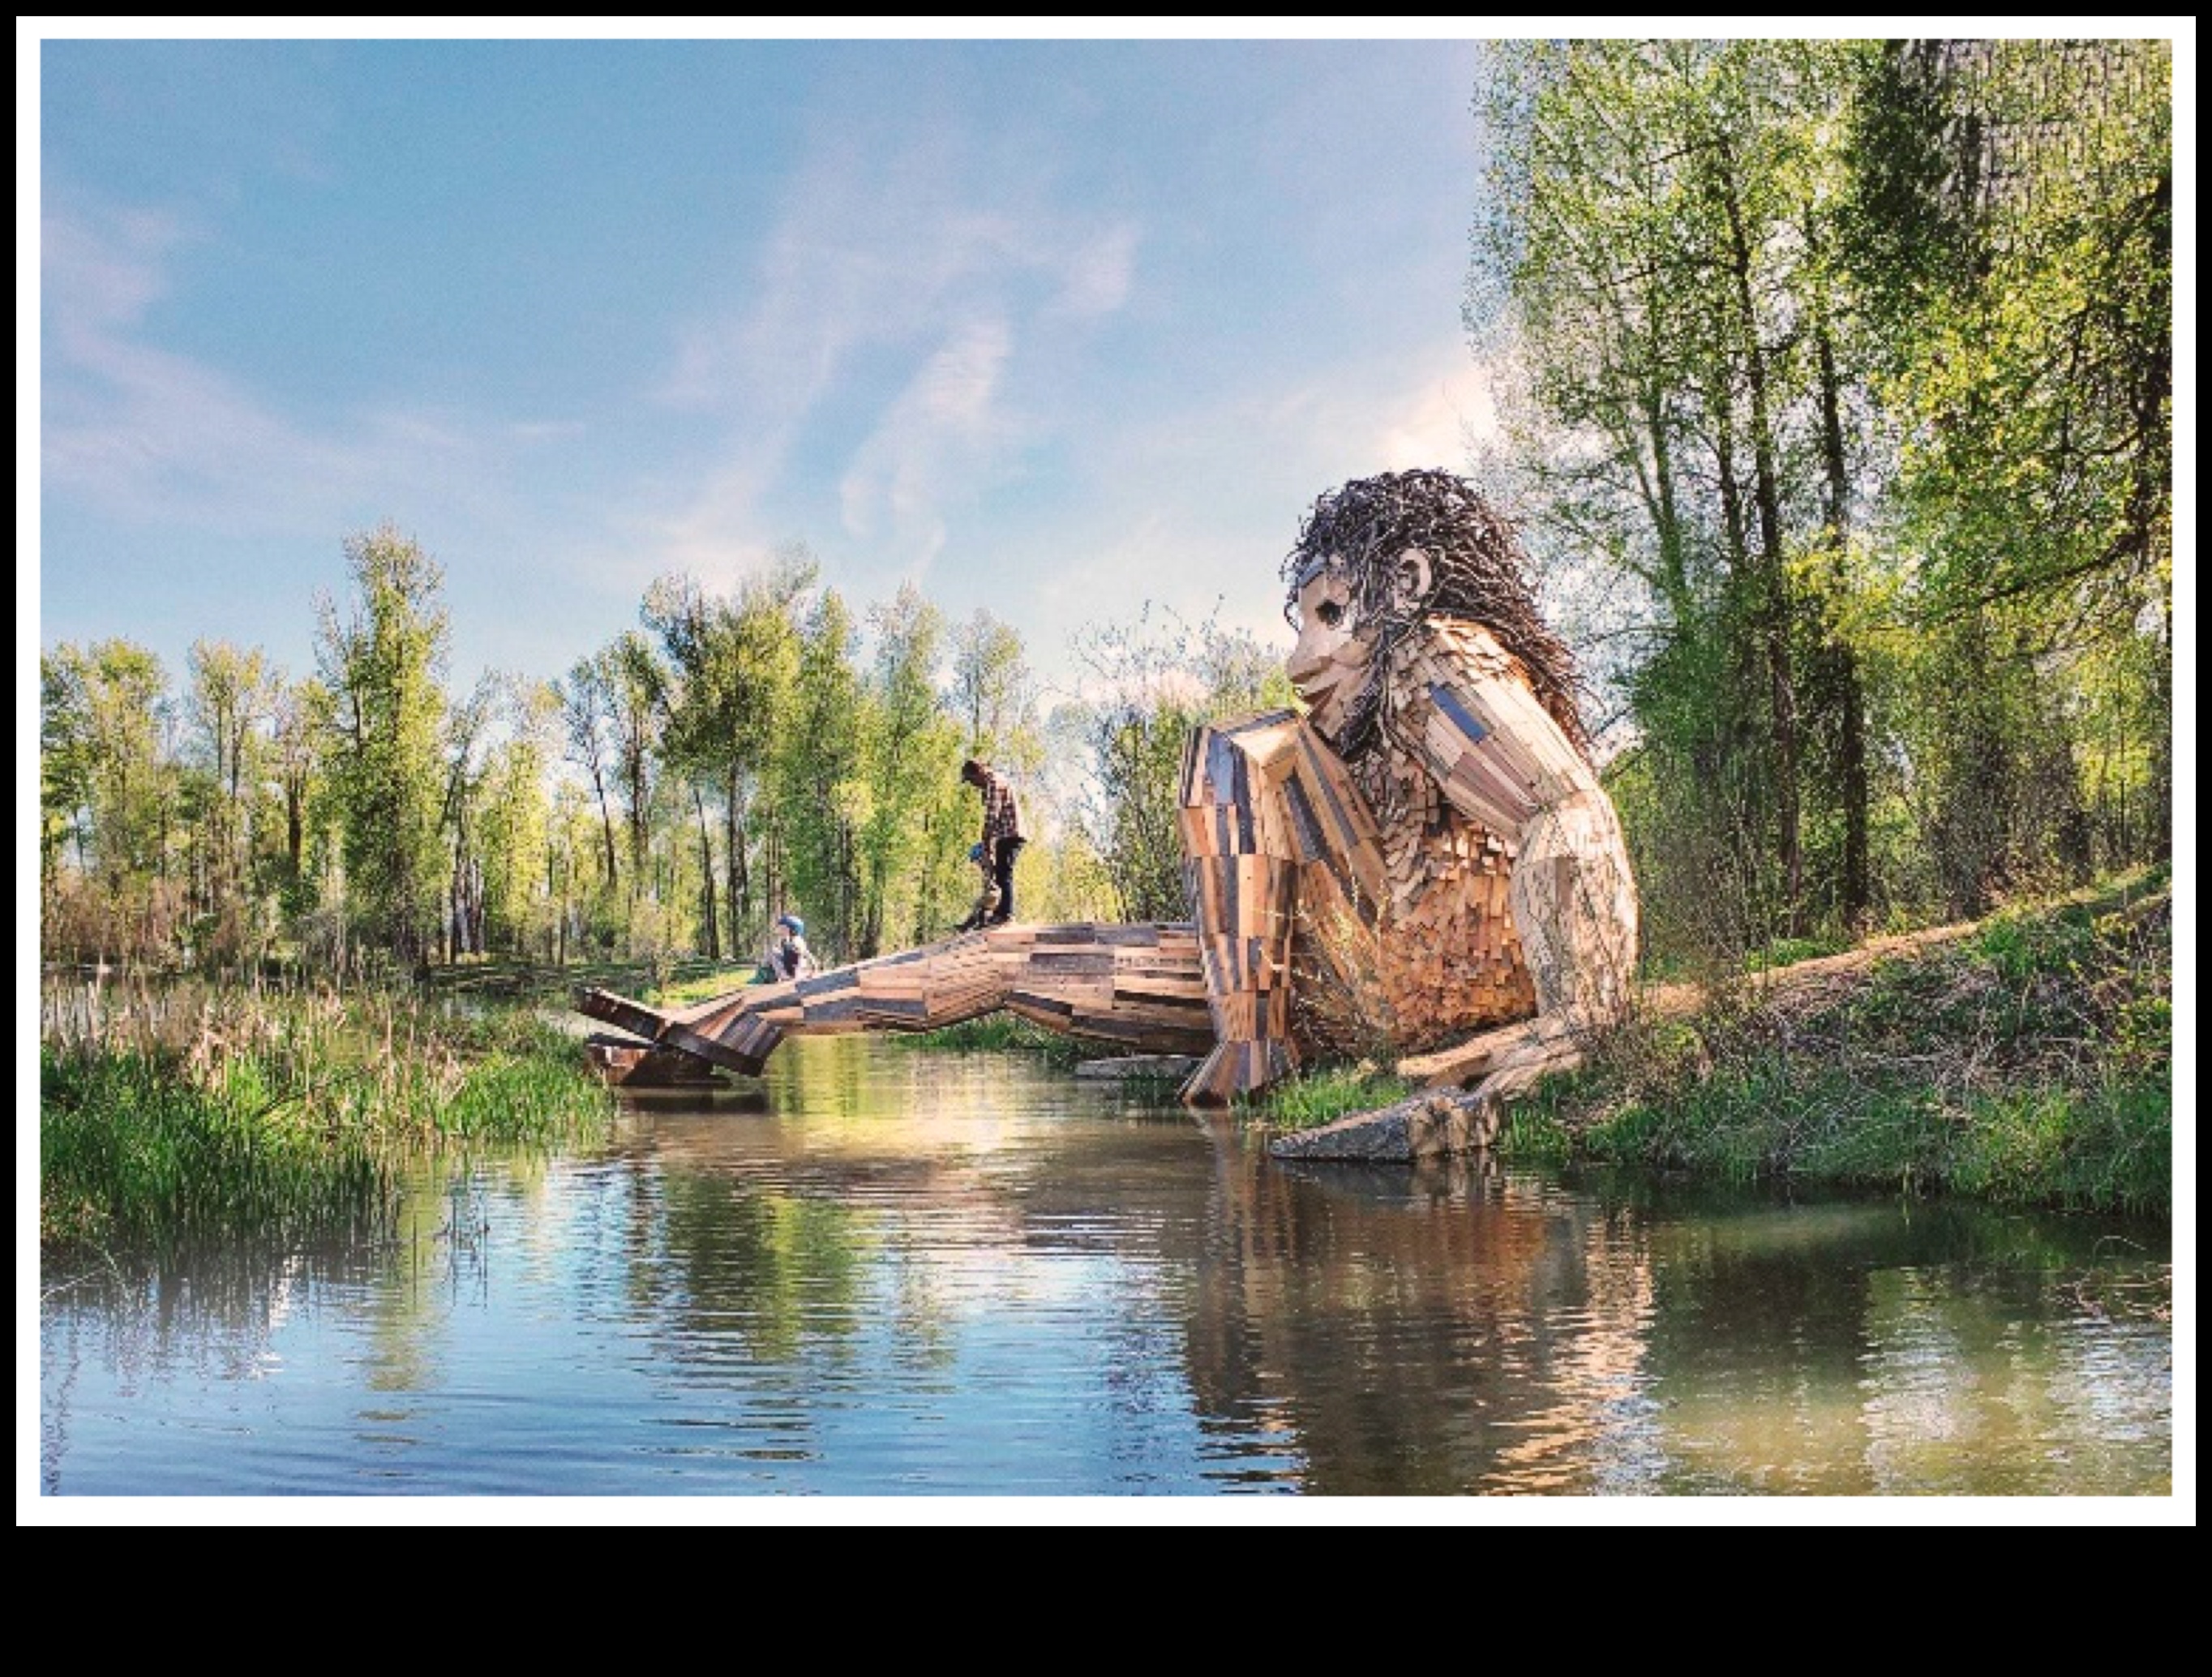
(170, 1113)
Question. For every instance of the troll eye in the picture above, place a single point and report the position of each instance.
(1330, 613)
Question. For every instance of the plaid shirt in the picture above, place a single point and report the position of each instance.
(1002, 816)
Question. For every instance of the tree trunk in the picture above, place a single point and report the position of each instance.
(606, 826)
(707, 875)
(739, 882)
(1857, 893)
(1774, 596)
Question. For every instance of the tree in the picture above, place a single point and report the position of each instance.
(1654, 261)
(635, 683)
(993, 696)
(108, 784)
(229, 696)
(2030, 366)
(462, 742)
(516, 836)
(818, 772)
(1154, 682)
(302, 721)
(383, 662)
(1833, 369)
(913, 843)
(587, 730)
(734, 663)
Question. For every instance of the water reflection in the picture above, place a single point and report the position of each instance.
(888, 1271)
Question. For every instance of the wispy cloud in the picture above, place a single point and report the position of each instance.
(892, 304)
(1098, 276)
(939, 431)
(1441, 422)
(148, 433)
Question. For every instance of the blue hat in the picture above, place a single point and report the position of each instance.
(794, 923)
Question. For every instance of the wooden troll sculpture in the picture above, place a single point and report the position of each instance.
(1422, 864)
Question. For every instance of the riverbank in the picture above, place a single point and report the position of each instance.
(2026, 1060)
(176, 1113)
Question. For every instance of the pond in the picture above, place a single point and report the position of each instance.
(890, 1271)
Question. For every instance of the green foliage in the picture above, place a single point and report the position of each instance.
(2030, 1062)
(914, 878)
(1320, 1094)
(1836, 383)
(383, 662)
(2108, 1146)
(229, 1113)
(1156, 680)
(1787, 951)
(734, 672)
(818, 781)
(110, 792)
(1003, 1033)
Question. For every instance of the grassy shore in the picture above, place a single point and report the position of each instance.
(172, 1115)
(2029, 1061)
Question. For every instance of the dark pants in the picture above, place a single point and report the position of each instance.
(1002, 869)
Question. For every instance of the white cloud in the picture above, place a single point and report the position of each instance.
(1100, 275)
(1441, 420)
(138, 429)
(842, 328)
(1181, 495)
(929, 444)
(147, 434)
(100, 278)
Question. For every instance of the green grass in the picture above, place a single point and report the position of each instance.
(718, 979)
(1788, 951)
(271, 1117)
(132, 1155)
(2029, 1063)
(1322, 1094)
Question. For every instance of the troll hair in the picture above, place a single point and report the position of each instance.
(1478, 571)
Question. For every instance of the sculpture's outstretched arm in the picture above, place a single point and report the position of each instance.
(1138, 985)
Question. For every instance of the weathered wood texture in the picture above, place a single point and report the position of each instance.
(634, 1065)
(1493, 886)
(1136, 985)
(1323, 928)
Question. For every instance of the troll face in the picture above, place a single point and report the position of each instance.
(1344, 638)
(1376, 556)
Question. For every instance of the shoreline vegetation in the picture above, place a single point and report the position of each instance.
(2027, 1060)
(173, 1112)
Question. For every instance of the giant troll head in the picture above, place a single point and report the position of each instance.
(1375, 558)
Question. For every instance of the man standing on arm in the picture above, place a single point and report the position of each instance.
(1003, 837)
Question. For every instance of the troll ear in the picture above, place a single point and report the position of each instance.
(1412, 578)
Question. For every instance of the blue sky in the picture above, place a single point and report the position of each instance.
(1057, 328)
